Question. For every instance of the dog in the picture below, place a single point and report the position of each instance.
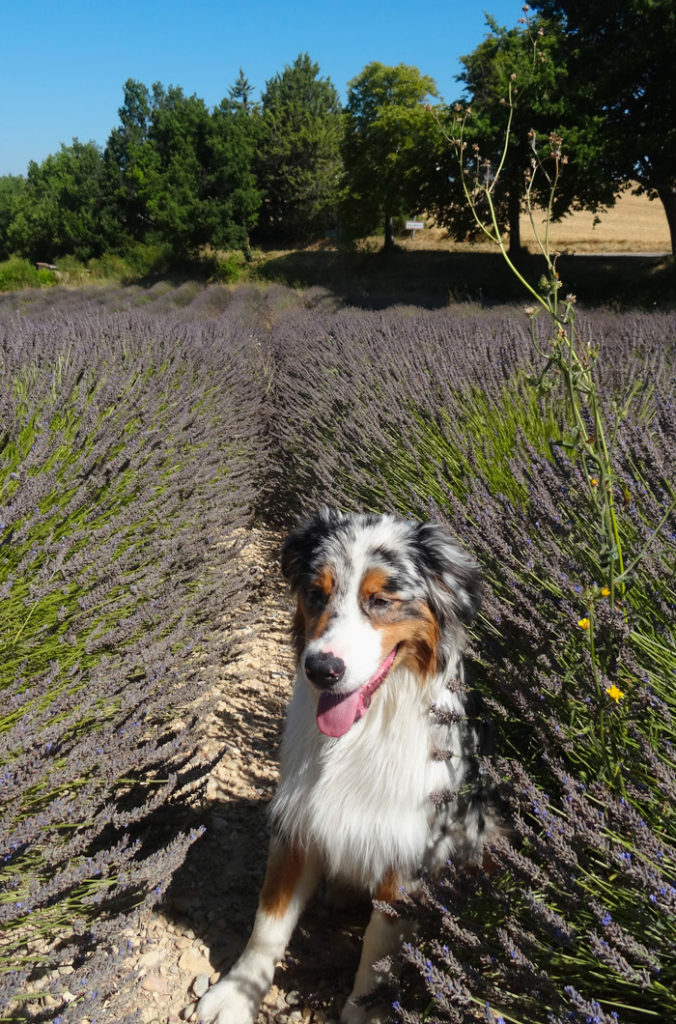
(380, 777)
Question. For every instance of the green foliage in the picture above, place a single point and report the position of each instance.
(525, 67)
(389, 149)
(11, 189)
(182, 175)
(239, 94)
(235, 194)
(18, 273)
(299, 163)
(620, 69)
(63, 207)
(230, 268)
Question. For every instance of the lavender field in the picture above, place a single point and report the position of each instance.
(143, 430)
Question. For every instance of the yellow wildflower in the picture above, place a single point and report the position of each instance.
(594, 482)
(605, 591)
(614, 693)
(583, 623)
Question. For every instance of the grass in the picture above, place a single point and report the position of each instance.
(635, 224)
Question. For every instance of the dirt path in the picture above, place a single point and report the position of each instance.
(204, 922)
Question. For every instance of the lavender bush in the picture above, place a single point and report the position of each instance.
(129, 454)
(430, 413)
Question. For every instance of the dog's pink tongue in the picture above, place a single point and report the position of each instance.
(336, 712)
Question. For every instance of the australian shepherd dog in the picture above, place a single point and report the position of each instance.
(379, 764)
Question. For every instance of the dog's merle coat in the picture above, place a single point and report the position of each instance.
(379, 779)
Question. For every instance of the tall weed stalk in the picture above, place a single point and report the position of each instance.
(567, 370)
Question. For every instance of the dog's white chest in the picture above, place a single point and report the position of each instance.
(364, 799)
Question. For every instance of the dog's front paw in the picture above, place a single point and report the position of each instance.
(354, 1014)
(228, 1002)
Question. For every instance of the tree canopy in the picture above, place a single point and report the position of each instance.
(63, 207)
(389, 145)
(299, 163)
(183, 175)
(620, 60)
(520, 76)
(292, 165)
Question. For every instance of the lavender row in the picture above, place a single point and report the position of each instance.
(130, 454)
(435, 413)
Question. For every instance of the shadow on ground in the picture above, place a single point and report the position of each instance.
(215, 893)
(433, 278)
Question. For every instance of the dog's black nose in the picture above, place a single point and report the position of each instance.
(324, 669)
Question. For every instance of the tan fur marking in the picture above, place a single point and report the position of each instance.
(324, 581)
(316, 622)
(315, 627)
(284, 869)
(298, 630)
(374, 581)
(389, 889)
(419, 639)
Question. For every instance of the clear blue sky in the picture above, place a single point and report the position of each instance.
(63, 62)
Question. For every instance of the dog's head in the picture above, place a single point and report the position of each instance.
(374, 593)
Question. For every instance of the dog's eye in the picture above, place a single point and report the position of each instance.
(316, 598)
(378, 603)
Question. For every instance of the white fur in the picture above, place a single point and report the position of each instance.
(363, 800)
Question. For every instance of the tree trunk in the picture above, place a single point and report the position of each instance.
(514, 214)
(389, 232)
(667, 194)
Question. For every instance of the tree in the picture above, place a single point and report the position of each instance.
(184, 175)
(620, 59)
(11, 190)
(522, 66)
(62, 208)
(388, 146)
(124, 157)
(299, 165)
(240, 93)
(517, 62)
(234, 196)
(175, 169)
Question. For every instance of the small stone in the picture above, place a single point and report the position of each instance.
(194, 963)
(200, 985)
(153, 983)
(152, 958)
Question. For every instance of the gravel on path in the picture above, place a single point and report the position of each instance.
(204, 920)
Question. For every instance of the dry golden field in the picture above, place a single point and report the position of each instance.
(634, 224)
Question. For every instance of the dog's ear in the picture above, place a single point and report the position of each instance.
(300, 547)
(456, 582)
